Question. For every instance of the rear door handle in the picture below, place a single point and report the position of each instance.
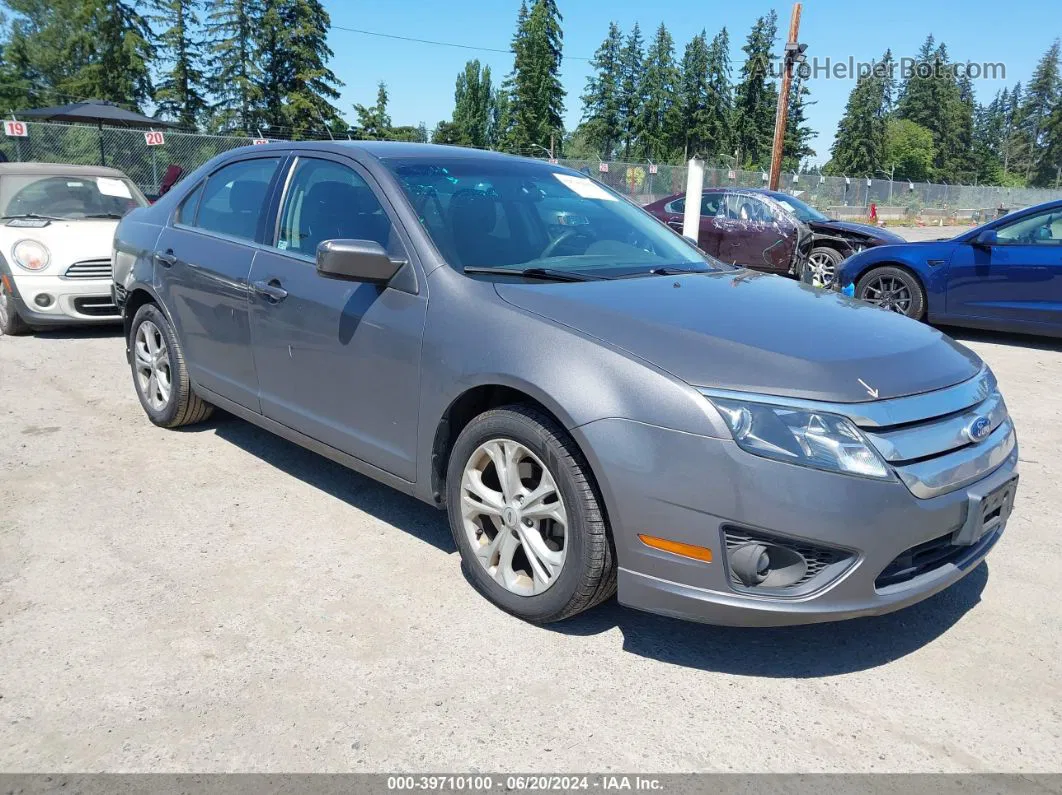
(167, 259)
(271, 290)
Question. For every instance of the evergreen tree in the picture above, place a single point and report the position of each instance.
(47, 46)
(661, 114)
(123, 50)
(719, 102)
(909, 150)
(796, 147)
(988, 135)
(536, 96)
(756, 97)
(859, 147)
(374, 123)
(696, 128)
(473, 105)
(446, 132)
(233, 30)
(297, 86)
(180, 94)
(1042, 97)
(632, 90)
(601, 128)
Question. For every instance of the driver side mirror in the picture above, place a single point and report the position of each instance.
(986, 239)
(356, 261)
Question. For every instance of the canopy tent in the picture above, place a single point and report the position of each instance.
(98, 111)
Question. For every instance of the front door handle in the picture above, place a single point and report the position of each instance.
(271, 290)
(166, 259)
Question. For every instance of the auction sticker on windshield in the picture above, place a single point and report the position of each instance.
(113, 187)
(586, 188)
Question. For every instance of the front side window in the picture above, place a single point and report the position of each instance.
(68, 197)
(1041, 229)
(501, 213)
(235, 197)
(330, 201)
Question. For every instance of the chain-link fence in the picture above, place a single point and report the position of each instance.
(129, 151)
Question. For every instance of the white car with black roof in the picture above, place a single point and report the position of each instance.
(57, 227)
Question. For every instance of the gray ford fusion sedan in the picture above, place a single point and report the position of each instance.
(597, 404)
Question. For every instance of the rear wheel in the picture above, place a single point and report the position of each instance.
(894, 289)
(11, 323)
(160, 374)
(526, 516)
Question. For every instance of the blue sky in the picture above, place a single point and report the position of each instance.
(420, 77)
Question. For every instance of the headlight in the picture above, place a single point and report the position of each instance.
(799, 436)
(30, 255)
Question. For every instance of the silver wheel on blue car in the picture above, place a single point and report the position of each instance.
(893, 289)
(526, 515)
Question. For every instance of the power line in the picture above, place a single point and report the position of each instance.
(439, 43)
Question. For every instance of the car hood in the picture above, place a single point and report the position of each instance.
(875, 232)
(756, 332)
(67, 241)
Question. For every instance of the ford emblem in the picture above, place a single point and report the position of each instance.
(979, 429)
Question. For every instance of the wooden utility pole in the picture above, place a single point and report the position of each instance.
(792, 51)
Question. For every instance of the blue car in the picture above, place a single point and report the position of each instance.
(1005, 275)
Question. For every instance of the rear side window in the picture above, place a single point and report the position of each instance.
(235, 197)
(676, 206)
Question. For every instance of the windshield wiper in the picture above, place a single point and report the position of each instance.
(38, 216)
(664, 270)
(545, 274)
(104, 215)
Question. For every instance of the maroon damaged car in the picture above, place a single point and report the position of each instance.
(773, 231)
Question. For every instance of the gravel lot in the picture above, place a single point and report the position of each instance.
(220, 600)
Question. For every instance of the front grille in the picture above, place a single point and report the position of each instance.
(89, 269)
(930, 556)
(96, 307)
(817, 558)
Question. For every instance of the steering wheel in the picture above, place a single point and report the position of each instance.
(564, 237)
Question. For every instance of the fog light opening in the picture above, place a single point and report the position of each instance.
(767, 565)
(43, 300)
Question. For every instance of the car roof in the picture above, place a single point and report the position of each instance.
(59, 169)
(388, 150)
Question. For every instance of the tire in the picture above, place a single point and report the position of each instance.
(180, 405)
(11, 322)
(872, 287)
(586, 575)
(821, 265)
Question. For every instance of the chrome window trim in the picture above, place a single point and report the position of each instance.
(884, 413)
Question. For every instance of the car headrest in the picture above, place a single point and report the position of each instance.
(473, 211)
(247, 196)
(343, 198)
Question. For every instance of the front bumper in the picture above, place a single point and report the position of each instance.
(692, 489)
(71, 300)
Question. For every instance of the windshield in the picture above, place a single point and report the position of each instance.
(67, 197)
(522, 215)
(804, 212)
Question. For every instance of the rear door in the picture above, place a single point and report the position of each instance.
(338, 361)
(1018, 280)
(202, 262)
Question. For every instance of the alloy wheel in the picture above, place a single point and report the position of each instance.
(890, 293)
(153, 371)
(514, 516)
(822, 269)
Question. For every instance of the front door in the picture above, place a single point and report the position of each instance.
(338, 361)
(754, 234)
(201, 266)
(1017, 280)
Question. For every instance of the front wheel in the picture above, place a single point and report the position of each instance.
(821, 266)
(11, 323)
(893, 289)
(526, 516)
(160, 374)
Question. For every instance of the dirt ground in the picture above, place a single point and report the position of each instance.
(217, 599)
